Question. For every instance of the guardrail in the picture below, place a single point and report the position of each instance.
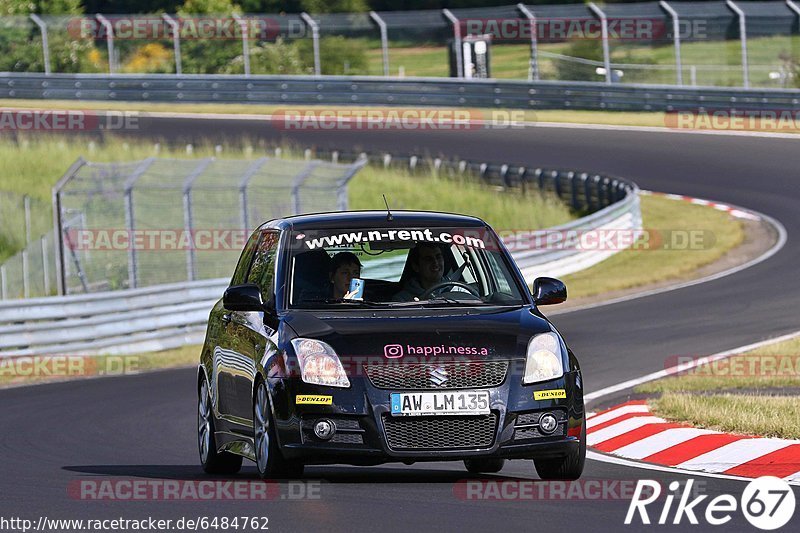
(341, 90)
(167, 316)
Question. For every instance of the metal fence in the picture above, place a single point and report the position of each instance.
(142, 223)
(171, 315)
(23, 221)
(637, 42)
(293, 91)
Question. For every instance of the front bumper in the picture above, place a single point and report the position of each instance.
(366, 433)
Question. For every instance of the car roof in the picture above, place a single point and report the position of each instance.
(374, 219)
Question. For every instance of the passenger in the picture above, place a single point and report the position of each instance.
(427, 266)
(344, 267)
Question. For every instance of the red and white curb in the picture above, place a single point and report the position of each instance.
(629, 430)
(734, 211)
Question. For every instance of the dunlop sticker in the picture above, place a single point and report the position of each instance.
(314, 399)
(549, 394)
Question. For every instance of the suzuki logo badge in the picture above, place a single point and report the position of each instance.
(438, 376)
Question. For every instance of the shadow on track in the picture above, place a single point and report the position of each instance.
(344, 474)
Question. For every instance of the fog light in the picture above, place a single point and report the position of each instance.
(548, 423)
(324, 429)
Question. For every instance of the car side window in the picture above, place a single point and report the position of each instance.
(240, 274)
(262, 271)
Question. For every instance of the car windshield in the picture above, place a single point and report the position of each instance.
(399, 267)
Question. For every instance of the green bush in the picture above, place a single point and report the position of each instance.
(338, 55)
(24, 54)
(270, 58)
(584, 49)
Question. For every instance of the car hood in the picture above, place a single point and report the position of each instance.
(452, 333)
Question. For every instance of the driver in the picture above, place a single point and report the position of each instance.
(427, 264)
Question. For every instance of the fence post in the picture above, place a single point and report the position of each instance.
(187, 214)
(604, 33)
(298, 182)
(3, 288)
(341, 190)
(384, 40)
(315, 37)
(676, 37)
(130, 220)
(245, 44)
(26, 284)
(58, 232)
(248, 175)
(45, 41)
(743, 37)
(533, 67)
(109, 40)
(456, 41)
(45, 270)
(176, 42)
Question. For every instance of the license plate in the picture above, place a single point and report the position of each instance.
(440, 403)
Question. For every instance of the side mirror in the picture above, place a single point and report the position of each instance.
(548, 291)
(245, 297)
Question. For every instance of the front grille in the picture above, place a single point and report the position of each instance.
(439, 433)
(422, 376)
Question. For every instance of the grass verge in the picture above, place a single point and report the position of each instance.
(683, 237)
(754, 393)
(767, 416)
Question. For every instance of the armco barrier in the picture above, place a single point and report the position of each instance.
(343, 90)
(167, 316)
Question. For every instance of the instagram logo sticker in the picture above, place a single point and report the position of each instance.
(393, 351)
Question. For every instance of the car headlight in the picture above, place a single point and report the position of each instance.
(544, 359)
(319, 364)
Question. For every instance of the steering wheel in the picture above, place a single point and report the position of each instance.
(425, 295)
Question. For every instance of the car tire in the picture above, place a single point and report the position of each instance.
(569, 467)
(270, 462)
(213, 461)
(484, 465)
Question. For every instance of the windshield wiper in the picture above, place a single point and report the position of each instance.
(439, 300)
(350, 303)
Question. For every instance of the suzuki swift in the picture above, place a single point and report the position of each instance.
(371, 337)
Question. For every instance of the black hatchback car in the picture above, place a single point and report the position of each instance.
(369, 337)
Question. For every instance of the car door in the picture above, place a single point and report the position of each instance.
(253, 333)
(224, 335)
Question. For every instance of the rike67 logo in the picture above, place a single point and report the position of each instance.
(767, 503)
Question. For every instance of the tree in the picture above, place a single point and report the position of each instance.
(48, 7)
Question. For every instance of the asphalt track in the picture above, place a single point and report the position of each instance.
(144, 426)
